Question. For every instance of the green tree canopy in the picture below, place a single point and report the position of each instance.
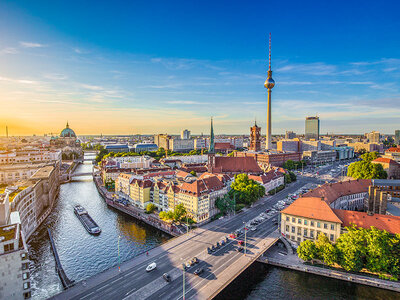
(307, 251)
(366, 170)
(150, 208)
(369, 156)
(246, 190)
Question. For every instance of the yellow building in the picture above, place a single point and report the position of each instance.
(139, 192)
(122, 183)
(308, 217)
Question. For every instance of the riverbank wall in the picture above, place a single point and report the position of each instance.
(336, 274)
(149, 219)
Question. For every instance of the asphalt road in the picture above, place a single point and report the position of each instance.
(135, 283)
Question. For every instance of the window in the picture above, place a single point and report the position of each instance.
(318, 224)
(332, 227)
(24, 256)
(305, 222)
(287, 219)
(325, 226)
(298, 231)
(8, 247)
(305, 232)
(298, 239)
(27, 295)
(312, 223)
(287, 228)
(293, 229)
(25, 275)
(293, 220)
(25, 266)
(27, 285)
(299, 221)
(312, 233)
(331, 237)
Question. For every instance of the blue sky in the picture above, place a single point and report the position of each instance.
(162, 66)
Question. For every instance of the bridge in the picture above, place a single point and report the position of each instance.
(80, 174)
(220, 268)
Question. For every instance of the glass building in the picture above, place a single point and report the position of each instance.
(312, 128)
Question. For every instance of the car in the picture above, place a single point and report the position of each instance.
(239, 249)
(188, 264)
(198, 271)
(166, 277)
(151, 267)
(209, 250)
(195, 260)
(253, 228)
(268, 210)
(226, 239)
(222, 242)
(213, 249)
(217, 245)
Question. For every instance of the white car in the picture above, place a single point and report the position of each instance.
(151, 267)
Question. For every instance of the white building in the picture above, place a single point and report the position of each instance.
(185, 134)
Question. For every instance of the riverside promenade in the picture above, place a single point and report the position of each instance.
(277, 257)
(150, 219)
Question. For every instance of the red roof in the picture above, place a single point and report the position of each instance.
(267, 177)
(225, 164)
(385, 161)
(361, 219)
(312, 208)
(332, 191)
(200, 186)
(393, 149)
(223, 146)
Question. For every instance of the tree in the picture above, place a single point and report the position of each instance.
(246, 190)
(307, 251)
(179, 212)
(225, 204)
(150, 208)
(293, 176)
(351, 249)
(366, 170)
(193, 173)
(369, 156)
(326, 251)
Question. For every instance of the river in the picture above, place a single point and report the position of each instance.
(84, 255)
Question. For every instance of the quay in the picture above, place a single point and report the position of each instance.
(66, 282)
(275, 257)
(149, 219)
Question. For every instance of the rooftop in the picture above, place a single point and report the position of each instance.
(43, 173)
(385, 160)
(8, 232)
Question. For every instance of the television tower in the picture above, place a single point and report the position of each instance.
(269, 84)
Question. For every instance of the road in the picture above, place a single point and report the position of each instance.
(133, 282)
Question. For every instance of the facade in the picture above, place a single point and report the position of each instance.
(289, 135)
(145, 147)
(139, 192)
(270, 159)
(312, 128)
(181, 145)
(373, 137)
(368, 147)
(29, 156)
(162, 140)
(14, 263)
(344, 152)
(393, 153)
(397, 137)
(117, 148)
(200, 143)
(185, 134)
(288, 145)
(255, 138)
(319, 157)
(270, 180)
(328, 144)
(310, 146)
(68, 142)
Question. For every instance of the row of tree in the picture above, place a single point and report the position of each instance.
(293, 165)
(179, 214)
(365, 169)
(372, 249)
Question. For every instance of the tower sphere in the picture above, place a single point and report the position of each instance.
(269, 83)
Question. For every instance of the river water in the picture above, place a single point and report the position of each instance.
(83, 255)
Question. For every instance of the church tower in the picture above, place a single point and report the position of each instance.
(255, 138)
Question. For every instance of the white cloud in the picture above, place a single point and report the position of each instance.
(312, 69)
(92, 87)
(184, 102)
(31, 45)
(9, 50)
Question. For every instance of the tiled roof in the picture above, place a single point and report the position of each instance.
(393, 149)
(236, 165)
(383, 222)
(312, 208)
(142, 183)
(200, 186)
(267, 177)
(223, 146)
(332, 191)
(385, 161)
(182, 174)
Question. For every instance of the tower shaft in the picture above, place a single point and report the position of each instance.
(269, 127)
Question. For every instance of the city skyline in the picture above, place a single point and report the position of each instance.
(142, 75)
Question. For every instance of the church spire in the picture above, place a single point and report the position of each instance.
(211, 148)
(67, 125)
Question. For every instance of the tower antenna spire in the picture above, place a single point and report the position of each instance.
(269, 69)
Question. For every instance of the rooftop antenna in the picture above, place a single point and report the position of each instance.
(6, 131)
(269, 69)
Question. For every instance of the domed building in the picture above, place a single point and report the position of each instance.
(69, 143)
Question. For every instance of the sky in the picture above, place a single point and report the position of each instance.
(144, 67)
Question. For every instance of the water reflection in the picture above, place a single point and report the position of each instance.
(82, 254)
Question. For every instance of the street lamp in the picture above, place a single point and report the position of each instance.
(119, 260)
(245, 238)
(183, 273)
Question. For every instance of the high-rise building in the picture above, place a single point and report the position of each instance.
(373, 137)
(312, 128)
(255, 138)
(269, 84)
(290, 135)
(185, 134)
(397, 137)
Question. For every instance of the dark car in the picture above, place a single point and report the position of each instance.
(226, 239)
(217, 245)
(209, 250)
(195, 260)
(239, 249)
(198, 271)
(268, 210)
(166, 277)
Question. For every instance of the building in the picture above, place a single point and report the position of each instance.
(319, 157)
(139, 192)
(68, 142)
(162, 140)
(397, 137)
(288, 145)
(117, 148)
(391, 167)
(312, 128)
(328, 144)
(270, 159)
(289, 135)
(393, 153)
(180, 145)
(377, 200)
(310, 146)
(200, 143)
(373, 137)
(185, 134)
(270, 180)
(349, 195)
(368, 147)
(308, 217)
(35, 155)
(14, 263)
(344, 152)
(255, 138)
(269, 84)
(142, 147)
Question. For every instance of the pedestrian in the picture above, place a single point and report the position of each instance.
(147, 253)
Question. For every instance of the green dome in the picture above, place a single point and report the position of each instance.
(67, 132)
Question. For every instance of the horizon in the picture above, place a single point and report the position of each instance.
(138, 72)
